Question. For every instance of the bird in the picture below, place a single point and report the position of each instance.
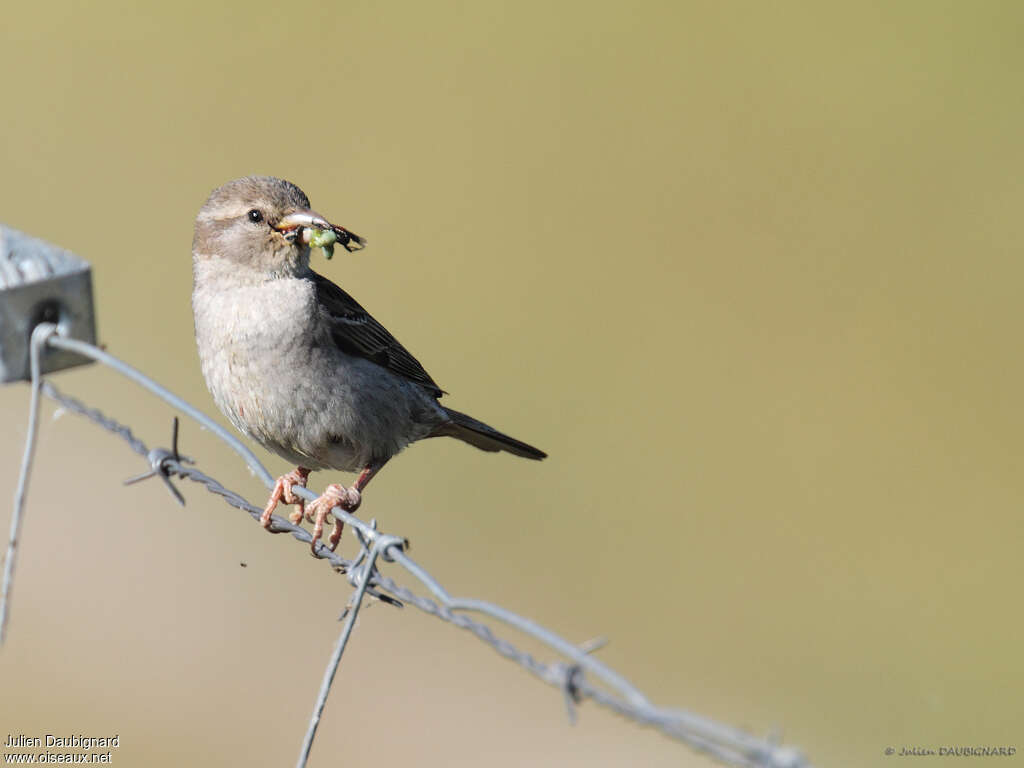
(296, 364)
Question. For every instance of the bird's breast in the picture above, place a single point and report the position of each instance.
(254, 344)
(275, 372)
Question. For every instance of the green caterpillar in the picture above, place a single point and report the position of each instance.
(323, 239)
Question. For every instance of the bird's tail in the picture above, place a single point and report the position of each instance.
(486, 438)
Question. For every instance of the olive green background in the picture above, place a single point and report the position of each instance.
(750, 273)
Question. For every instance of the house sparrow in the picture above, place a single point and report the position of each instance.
(295, 363)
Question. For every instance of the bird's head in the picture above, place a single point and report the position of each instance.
(263, 224)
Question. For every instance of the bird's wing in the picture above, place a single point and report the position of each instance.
(356, 333)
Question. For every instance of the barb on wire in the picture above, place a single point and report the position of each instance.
(158, 459)
(575, 676)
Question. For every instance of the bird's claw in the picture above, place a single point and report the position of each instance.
(334, 495)
(283, 493)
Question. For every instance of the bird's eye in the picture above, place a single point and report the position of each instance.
(255, 216)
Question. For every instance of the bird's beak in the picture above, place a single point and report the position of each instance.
(307, 220)
(303, 223)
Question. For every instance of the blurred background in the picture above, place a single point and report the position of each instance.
(748, 272)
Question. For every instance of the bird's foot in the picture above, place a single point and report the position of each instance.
(283, 493)
(333, 496)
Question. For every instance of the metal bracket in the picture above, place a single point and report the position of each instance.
(40, 282)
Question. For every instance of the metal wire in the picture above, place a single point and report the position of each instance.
(39, 336)
(571, 675)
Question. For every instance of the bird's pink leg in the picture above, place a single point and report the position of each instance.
(348, 499)
(283, 493)
(367, 475)
(334, 495)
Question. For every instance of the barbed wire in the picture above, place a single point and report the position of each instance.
(722, 742)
